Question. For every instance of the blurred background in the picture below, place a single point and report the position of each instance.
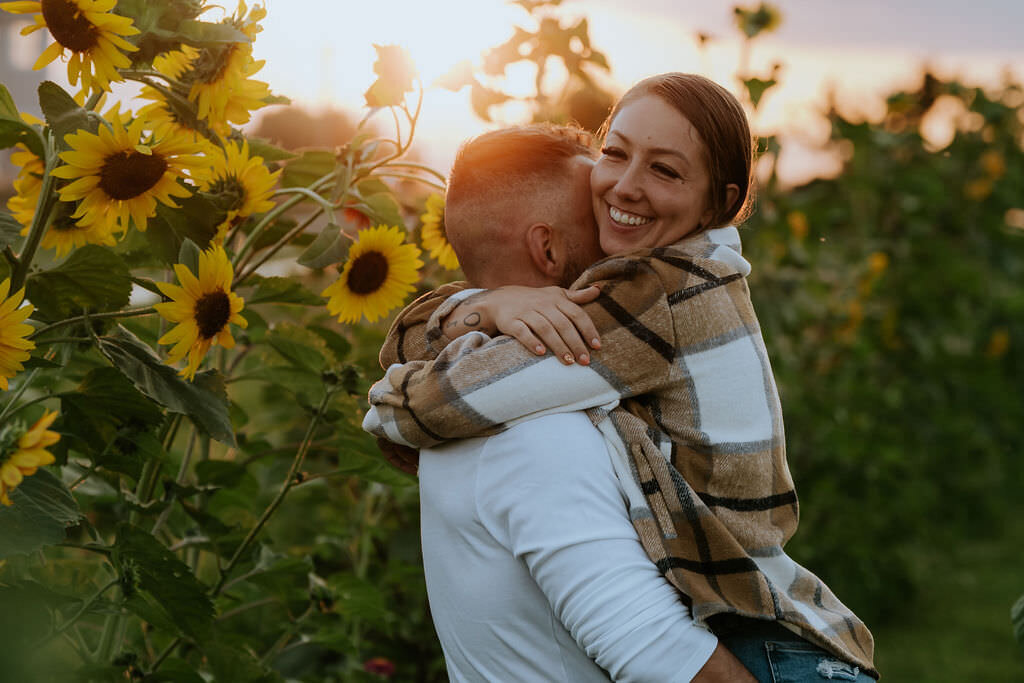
(888, 252)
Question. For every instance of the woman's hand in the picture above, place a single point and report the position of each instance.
(540, 318)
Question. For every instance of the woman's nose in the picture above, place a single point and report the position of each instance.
(628, 185)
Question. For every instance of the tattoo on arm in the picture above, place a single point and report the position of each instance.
(471, 320)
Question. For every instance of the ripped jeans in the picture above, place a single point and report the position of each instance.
(774, 654)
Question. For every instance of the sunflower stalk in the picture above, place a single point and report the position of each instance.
(269, 217)
(277, 246)
(73, 619)
(42, 218)
(286, 486)
(109, 315)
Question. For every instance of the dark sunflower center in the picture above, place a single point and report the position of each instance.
(211, 64)
(212, 313)
(68, 25)
(129, 173)
(232, 191)
(368, 273)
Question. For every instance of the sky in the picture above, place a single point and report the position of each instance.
(320, 52)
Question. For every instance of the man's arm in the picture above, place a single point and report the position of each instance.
(547, 490)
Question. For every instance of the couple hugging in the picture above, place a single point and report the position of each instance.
(604, 491)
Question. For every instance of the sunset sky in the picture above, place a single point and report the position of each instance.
(319, 52)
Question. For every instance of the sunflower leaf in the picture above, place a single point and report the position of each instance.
(204, 32)
(330, 246)
(281, 290)
(13, 130)
(299, 346)
(269, 152)
(382, 209)
(309, 167)
(43, 508)
(93, 278)
(202, 400)
(10, 230)
(151, 568)
(63, 114)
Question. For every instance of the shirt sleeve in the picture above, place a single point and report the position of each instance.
(477, 384)
(547, 490)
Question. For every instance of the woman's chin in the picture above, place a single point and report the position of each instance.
(617, 238)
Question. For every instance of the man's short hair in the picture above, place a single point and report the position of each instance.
(503, 173)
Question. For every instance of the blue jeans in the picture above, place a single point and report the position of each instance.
(774, 654)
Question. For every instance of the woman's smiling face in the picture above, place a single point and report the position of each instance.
(650, 184)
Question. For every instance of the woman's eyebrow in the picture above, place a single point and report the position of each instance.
(653, 150)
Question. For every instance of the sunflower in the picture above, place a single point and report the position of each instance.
(117, 178)
(244, 178)
(65, 233)
(435, 239)
(202, 307)
(89, 30)
(22, 457)
(27, 185)
(219, 78)
(14, 347)
(164, 120)
(380, 271)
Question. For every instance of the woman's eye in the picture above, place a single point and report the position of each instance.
(666, 171)
(613, 152)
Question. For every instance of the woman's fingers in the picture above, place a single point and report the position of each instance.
(549, 335)
(520, 331)
(583, 296)
(584, 325)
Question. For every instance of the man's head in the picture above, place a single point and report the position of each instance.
(518, 209)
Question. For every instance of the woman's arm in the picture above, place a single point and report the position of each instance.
(477, 384)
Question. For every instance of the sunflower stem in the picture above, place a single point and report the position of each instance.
(269, 217)
(17, 394)
(127, 313)
(93, 100)
(41, 219)
(409, 176)
(269, 254)
(327, 205)
(286, 486)
(418, 167)
(86, 605)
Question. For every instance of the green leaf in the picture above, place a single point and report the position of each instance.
(188, 256)
(104, 402)
(358, 598)
(13, 130)
(307, 168)
(329, 247)
(196, 219)
(154, 569)
(92, 278)
(203, 400)
(382, 209)
(757, 87)
(235, 664)
(353, 459)
(298, 346)
(10, 230)
(175, 671)
(63, 114)
(204, 33)
(42, 509)
(338, 345)
(269, 152)
(281, 290)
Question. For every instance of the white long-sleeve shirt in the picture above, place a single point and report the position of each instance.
(533, 569)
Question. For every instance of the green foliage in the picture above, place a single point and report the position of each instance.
(889, 298)
(41, 512)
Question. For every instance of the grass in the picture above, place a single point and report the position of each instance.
(960, 630)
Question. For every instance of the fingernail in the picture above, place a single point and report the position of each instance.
(596, 343)
(584, 359)
(539, 349)
(568, 359)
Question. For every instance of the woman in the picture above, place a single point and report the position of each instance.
(700, 436)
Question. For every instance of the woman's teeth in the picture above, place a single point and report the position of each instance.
(627, 218)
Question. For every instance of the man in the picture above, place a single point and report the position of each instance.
(533, 569)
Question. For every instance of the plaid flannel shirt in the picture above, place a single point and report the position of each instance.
(683, 391)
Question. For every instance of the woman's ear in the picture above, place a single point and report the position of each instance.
(732, 195)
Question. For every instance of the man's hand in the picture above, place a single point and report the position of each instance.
(723, 667)
(404, 458)
(540, 318)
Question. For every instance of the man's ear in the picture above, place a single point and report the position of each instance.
(545, 250)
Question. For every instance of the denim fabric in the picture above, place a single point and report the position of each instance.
(773, 654)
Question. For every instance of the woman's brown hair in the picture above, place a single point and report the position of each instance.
(724, 131)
